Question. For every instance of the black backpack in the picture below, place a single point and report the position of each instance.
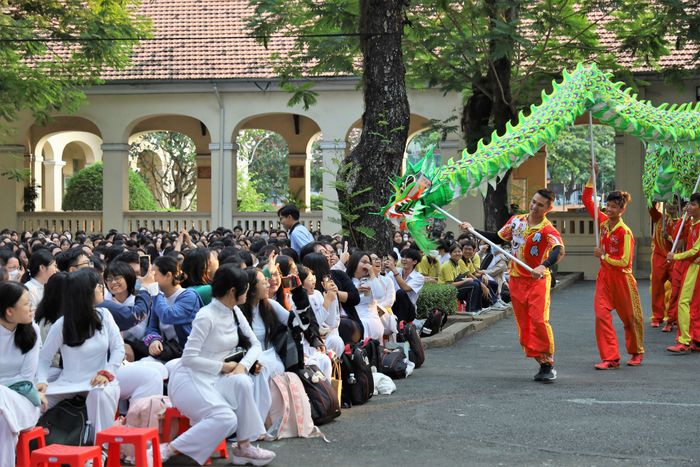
(394, 363)
(358, 382)
(434, 323)
(322, 397)
(67, 423)
(407, 333)
(373, 349)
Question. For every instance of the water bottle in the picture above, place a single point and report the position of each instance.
(87, 434)
(351, 379)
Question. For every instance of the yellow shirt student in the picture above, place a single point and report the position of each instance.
(427, 269)
(472, 264)
(449, 271)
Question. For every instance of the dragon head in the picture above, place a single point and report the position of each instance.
(410, 206)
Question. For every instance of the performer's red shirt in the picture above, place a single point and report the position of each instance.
(531, 244)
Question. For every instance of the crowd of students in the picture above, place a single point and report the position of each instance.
(111, 317)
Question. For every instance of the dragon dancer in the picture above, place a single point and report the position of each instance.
(535, 241)
(689, 299)
(616, 287)
(661, 269)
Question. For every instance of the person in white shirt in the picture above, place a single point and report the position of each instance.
(385, 304)
(323, 297)
(371, 289)
(42, 266)
(408, 283)
(19, 356)
(217, 395)
(91, 349)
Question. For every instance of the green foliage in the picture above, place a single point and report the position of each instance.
(263, 156)
(52, 49)
(316, 202)
(569, 157)
(249, 198)
(440, 296)
(84, 191)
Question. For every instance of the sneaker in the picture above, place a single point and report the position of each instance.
(252, 455)
(679, 349)
(655, 324)
(499, 305)
(695, 346)
(668, 327)
(166, 452)
(636, 359)
(607, 365)
(547, 374)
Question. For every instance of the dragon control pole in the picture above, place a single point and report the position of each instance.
(481, 237)
(595, 182)
(685, 216)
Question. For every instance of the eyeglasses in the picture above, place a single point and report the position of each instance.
(113, 279)
(84, 264)
(100, 287)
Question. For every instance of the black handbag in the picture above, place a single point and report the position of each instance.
(288, 348)
(67, 423)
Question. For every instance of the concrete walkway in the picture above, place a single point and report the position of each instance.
(475, 404)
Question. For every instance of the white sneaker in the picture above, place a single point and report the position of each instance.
(166, 452)
(252, 455)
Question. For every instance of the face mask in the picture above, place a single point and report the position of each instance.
(14, 275)
(137, 286)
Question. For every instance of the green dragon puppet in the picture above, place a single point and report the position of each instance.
(671, 136)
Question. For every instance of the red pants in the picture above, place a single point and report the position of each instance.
(677, 273)
(530, 299)
(617, 291)
(660, 274)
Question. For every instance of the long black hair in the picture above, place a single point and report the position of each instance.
(195, 267)
(80, 318)
(354, 262)
(10, 294)
(49, 308)
(168, 264)
(266, 312)
(319, 265)
(228, 277)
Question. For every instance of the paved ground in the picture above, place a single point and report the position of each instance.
(475, 404)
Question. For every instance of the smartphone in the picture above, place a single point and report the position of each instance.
(290, 282)
(327, 280)
(235, 357)
(144, 264)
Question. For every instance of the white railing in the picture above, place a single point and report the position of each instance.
(269, 220)
(171, 221)
(89, 221)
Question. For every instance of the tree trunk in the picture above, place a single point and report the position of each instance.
(496, 209)
(379, 154)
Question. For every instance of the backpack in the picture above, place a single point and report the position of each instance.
(290, 411)
(322, 397)
(358, 383)
(67, 423)
(434, 323)
(394, 363)
(374, 351)
(144, 412)
(407, 333)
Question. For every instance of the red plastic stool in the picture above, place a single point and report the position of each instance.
(25, 437)
(114, 436)
(183, 424)
(74, 456)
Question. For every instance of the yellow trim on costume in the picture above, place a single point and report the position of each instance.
(691, 252)
(550, 333)
(624, 261)
(637, 312)
(686, 296)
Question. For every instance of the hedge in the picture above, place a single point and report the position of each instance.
(84, 191)
(440, 296)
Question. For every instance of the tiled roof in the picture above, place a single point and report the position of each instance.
(207, 39)
(199, 39)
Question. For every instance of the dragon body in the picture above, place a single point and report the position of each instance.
(671, 135)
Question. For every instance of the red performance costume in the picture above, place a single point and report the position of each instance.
(530, 296)
(616, 289)
(689, 297)
(661, 269)
(678, 270)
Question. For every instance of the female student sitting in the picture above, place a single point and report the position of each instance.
(199, 267)
(19, 356)
(217, 396)
(91, 350)
(42, 266)
(385, 303)
(323, 297)
(371, 289)
(172, 311)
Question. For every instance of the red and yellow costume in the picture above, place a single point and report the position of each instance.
(616, 288)
(689, 298)
(530, 296)
(661, 268)
(678, 270)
